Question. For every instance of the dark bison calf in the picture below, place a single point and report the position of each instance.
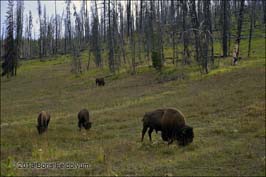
(84, 119)
(99, 81)
(171, 123)
(43, 121)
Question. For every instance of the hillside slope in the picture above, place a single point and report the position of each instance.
(226, 109)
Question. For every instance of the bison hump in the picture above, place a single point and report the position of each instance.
(43, 117)
(84, 113)
(153, 116)
(173, 118)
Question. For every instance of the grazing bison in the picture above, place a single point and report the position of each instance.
(99, 81)
(171, 123)
(84, 119)
(43, 121)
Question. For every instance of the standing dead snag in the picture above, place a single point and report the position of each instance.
(239, 28)
(235, 53)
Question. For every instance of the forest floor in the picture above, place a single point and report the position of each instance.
(226, 108)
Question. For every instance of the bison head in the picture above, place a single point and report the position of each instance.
(185, 135)
(87, 125)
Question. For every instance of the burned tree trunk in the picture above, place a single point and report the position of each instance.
(251, 17)
(10, 51)
(225, 26)
(195, 25)
(239, 25)
(186, 53)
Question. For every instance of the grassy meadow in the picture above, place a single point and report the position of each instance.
(226, 108)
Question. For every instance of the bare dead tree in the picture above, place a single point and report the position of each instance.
(95, 38)
(40, 23)
(252, 5)
(225, 25)
(56, 25)
(186, 53)
(239, 25)
(110, 40)
(44, 31)
(8, 66)
(18, 39)
(121, 34)
(30, 26)
(68, 25)
(87, 24)
(195, 25)
(76, 43)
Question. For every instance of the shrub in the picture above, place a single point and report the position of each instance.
(156, 60)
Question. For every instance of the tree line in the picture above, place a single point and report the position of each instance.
(129, 32)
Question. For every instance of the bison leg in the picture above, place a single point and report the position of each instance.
(79, 125)
(39, 129)
(150, 131)
(143, 132)
(164, 136)
(48, 120)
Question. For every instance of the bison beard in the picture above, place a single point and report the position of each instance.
(184, 136)
(43, 121)
(99, 82)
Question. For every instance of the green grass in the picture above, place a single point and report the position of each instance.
(225, 107)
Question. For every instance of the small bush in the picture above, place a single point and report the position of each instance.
(156, 60)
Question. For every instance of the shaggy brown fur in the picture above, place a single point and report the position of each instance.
(172, 119)
(43, 121)
(185, 135)
(99, 81)
(84, 119)
(174, 127)
(152, 120)
(171, 123)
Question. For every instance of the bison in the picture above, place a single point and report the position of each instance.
(43, 121)
(84, 119)
(171, 123)
(99, 81)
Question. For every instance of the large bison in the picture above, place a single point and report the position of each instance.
(171, 123)
(43, 121)
(99, 81)
(84, 119)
